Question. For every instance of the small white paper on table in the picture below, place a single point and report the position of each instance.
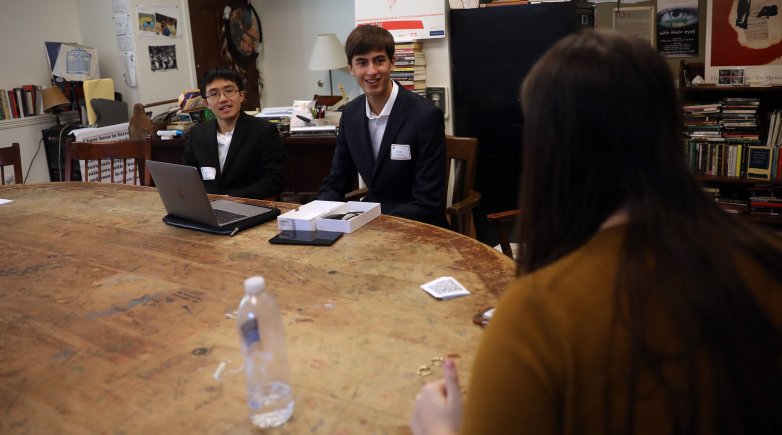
(5, 201)
(445, 287)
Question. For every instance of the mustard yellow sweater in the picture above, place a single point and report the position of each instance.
(540, 368)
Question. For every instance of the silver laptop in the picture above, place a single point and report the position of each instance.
(184, 196)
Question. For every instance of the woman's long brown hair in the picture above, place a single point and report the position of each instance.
(603, 131)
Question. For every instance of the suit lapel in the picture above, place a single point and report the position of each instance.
(395, 121)
(359, 119)
(211, 138)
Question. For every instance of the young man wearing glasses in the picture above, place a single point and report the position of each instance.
(393, 138)
(237, 154)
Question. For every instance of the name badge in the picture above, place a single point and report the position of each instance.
(400, 152)
(208, 173)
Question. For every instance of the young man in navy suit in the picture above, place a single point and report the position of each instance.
(237, 154)
(390, 136)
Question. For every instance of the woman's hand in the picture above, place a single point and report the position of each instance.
(438, 407)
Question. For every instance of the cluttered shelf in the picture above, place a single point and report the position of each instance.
(732, 138)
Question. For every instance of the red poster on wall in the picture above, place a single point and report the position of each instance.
(745, 34)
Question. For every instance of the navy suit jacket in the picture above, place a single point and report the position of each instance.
(411, 188)
(254, 166)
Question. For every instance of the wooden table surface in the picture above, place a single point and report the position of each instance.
(113, 322)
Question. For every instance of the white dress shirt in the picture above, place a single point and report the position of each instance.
(223, 143)
(377, 123)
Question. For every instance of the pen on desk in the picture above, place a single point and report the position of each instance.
(305, 119)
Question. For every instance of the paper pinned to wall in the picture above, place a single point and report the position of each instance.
(123, 32)
(129, 68)
(636, 21)
(120, 6)
(405, 19)
(72, 62)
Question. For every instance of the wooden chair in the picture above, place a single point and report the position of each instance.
(138, 150)
(502, 221)
(11, 156)
(327, 100)
(462, 154)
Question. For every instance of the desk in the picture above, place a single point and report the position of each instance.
(113, 322)
(307, 162)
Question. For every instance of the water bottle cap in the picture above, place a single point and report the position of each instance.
(254, 284)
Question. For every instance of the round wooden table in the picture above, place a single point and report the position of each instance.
(113, 322)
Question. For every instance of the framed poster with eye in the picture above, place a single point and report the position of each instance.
(677, 28)
(242, 31)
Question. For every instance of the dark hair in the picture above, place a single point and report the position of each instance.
(603, 132)
(364, 39)
(221, 73)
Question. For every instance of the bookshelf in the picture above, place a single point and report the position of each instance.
(709, 158)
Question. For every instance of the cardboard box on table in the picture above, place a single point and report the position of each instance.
(309, 217)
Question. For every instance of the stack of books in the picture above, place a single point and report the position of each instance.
(739, 120)
(765, 200)
(410, 66)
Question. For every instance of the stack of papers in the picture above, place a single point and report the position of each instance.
(315, 129)
(275, 112)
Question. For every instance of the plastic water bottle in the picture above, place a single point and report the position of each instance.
(269, 394)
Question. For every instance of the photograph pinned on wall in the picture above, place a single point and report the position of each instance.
(737, 76)
(731, 77)
(162, 57)
(165, 25)
(146, 24)
(158, 22)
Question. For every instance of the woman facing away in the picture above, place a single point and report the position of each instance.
(642, 307)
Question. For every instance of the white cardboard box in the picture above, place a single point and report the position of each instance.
(303, 217)
(309, 217)
(369, 211)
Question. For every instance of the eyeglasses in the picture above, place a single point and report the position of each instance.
(229, 93)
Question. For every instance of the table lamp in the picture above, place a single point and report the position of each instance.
(327, 54)
(54, 102)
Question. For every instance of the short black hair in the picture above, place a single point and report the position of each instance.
(364, 39)
(221, 73)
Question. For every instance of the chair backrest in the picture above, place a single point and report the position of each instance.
(10, 156)
(461, 155)
(126, 150)
(327, 100)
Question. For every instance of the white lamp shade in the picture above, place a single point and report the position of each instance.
(327, 53)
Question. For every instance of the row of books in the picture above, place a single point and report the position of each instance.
(21, 102)
(774, 138)
(745, 160)
(410, 66)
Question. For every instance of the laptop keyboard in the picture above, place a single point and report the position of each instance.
(226, 216)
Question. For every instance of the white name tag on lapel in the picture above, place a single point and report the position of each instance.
(400, 152)
(208, 173)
